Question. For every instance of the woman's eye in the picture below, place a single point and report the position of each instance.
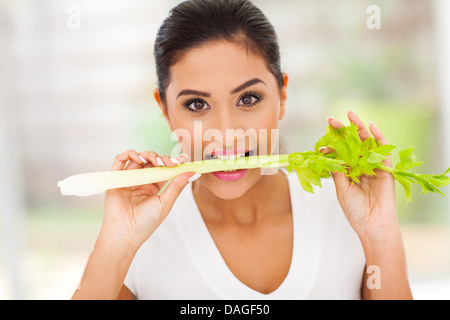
(196, 105)
(248, 100)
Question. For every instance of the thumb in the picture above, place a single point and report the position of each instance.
(173, 190)
(340, 181)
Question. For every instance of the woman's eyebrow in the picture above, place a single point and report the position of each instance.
(207, 94)
(193, 92)
(246, 84)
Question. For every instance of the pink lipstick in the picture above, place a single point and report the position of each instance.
(230, 176)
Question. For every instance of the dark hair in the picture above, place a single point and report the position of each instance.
(193, 23)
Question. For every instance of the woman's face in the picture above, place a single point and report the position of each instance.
(223, 101)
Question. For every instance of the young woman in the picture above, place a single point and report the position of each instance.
(242, 234)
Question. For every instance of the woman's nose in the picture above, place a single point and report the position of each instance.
(228, 129)
(225, 120)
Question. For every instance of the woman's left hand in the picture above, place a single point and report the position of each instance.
(370, 206)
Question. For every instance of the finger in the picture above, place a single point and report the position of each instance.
(173, 190)
(362, 130)
(169, 162)
(153, 158)
(325, 150)
(334, 123)
(131, 165)
(183, 158)
(134, 165)
(175, 161)
(121, 159)
(154, 161)
(378, 135)
(341, 181)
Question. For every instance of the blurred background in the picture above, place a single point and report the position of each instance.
(76, 80)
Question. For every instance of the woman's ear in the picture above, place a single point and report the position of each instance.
(283, 96)
(162, 106)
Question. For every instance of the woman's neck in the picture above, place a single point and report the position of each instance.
(266, 198)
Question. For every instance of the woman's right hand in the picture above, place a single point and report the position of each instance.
(132, 214)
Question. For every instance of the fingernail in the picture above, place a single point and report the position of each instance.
(184, 154)
(321, 148)
(194, 177)
(174, 160)
(159, 161)
(332, 118)
(143, 160)
(371, 122)
(350, 110)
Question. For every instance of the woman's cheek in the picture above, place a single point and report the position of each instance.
(268, 134)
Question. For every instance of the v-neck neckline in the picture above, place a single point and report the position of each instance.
(215, 271)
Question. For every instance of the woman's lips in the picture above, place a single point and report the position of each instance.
(230, 176)
(226, 154)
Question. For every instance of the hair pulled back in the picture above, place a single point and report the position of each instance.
(193, 23)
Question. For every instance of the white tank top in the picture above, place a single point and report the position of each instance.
(180, 259)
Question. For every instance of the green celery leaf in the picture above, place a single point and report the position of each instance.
(408, 160)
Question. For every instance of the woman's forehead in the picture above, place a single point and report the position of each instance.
(219, 64)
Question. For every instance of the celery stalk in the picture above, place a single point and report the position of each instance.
(97, 182)
(351, 156)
